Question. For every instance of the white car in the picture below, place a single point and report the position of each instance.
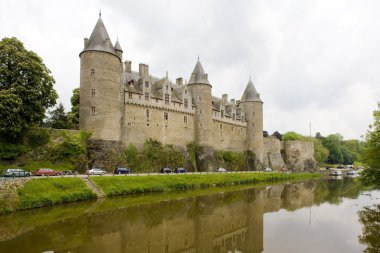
(95, 171)
(267, 169)
(221, 170)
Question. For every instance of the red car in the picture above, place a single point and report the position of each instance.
(46, 172)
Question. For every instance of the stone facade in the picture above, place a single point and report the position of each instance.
(124, 106)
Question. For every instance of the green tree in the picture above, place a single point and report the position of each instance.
(292, 136)
(333, 142)
(23, 74)
(371, 152)
(58, 118)
(10, 107)
(321, 153)
(73, 115)
(370, 218)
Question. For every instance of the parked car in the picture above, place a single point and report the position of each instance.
(95, 171)
(16, 173)
(166, 170)
(180, 170)
(267, 169)
(220, 170)
(46, 172)
(122, 171)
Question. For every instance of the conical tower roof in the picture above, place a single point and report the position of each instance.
(117, 46)
(198, 75)
(250, 94)
(99, 39)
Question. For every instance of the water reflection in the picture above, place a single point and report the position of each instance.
(370, 218)
(221, 222)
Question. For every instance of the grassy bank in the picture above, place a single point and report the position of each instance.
(52, 191)
(114, 186)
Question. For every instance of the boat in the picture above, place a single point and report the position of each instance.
(335, 173)
(352, 173)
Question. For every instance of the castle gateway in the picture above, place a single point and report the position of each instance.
(124, 106)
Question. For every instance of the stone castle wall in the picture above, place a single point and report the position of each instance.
(99, 110)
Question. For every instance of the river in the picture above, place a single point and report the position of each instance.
(313, 216)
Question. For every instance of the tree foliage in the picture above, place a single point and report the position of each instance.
(292, 136)
(372, 142)
(10, 107)
(73, 115)
(58, 118)
(371, 151)
(370, 218)
(24, 75)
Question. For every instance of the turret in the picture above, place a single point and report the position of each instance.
(100, 85)
(118, 50)
(200, 90)
(253, 111)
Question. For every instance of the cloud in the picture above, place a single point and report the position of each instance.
(310, 60)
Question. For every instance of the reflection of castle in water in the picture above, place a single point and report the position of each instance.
(215, 223)
(231, 221)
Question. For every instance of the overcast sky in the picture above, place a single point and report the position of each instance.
(312, 60)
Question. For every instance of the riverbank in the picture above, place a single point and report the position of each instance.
(36, 193)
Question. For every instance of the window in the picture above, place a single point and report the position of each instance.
(186, 102)
(147, 114)
(130, 95)
(199, 98)
(140, 97)
(185, 91)
(221, 126)
(93, 92)
(167, 99)
(146, 95)
(242, 118)
(233, 116)
(200, 111)
(146, 84)
(167, 87)
(184, 119)
(222, 113)
(92, 72)
(93, 110)
(166, 116)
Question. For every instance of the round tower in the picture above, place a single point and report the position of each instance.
(200, 90)
(100, 74)
(253, 111)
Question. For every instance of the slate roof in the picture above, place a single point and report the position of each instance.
(198, 75)
(99, 39)
(250, 94)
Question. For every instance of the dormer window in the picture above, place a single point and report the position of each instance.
(185, 103)
(92, 73)
(167, 87)
(166, 99)
(185, 91)
(233, 116)
(146, 84)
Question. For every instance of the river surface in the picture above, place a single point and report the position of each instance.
(314, 216)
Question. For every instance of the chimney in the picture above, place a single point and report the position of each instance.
(225, 97)
(144, 69)
(85, 43)
(233, 101)
(128, 66)
(179, 81)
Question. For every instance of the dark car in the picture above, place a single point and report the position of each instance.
(67, 172)
(122, 171)
(46, 172)
(16, 173)
(180, 170)
(166, 170)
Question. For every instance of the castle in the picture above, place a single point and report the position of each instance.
(124, 106)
